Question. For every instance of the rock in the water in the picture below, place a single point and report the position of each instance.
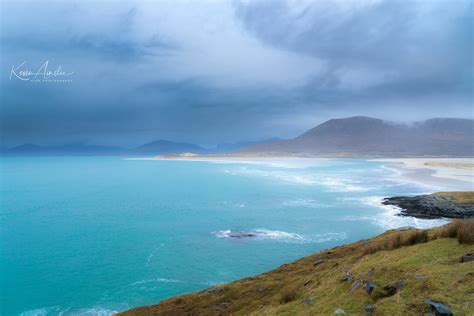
(340, 312)
(439, 308)
(242, 235)
(369, 309)
(308, 300)
(467, 257)
(431, 206)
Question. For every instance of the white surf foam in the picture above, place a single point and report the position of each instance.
(337, 184)
(267, 234)
(388, 218)
(310, 203)
(157, 280)
(56, 310)
(276, 174)
(260, 233)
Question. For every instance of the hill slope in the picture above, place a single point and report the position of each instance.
(368, 136)
(391, 274)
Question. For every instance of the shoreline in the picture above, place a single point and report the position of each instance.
(440, 174)
(445, 174)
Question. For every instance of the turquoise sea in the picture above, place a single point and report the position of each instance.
(94, 235)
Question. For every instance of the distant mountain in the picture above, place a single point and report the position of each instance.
(150, 149)
(369, 136)
(160, 147)
(64, 150)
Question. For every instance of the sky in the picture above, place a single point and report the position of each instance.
(208, 72)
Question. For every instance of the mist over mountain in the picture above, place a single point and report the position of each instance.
(370, 136)
(353, 136)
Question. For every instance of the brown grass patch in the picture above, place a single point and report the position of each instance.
(288, 296)
(461, 197)
(462, 229)
(397, 240)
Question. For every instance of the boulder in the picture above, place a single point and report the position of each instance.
(340, 312)
(467, 257)
(431, 206)
(370, 287)
(440, 309)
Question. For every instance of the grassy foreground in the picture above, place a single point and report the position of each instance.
(403, 269)
(466, 197)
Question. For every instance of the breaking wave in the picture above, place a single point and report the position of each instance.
(267, 234)
(389, 219)
(56, 310)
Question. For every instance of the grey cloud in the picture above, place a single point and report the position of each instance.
(224, 71)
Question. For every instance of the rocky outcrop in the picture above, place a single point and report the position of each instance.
(431, 206)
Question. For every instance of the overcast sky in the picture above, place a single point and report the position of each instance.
(222, 71)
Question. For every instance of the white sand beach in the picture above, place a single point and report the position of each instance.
(451, 174)
(448, 173)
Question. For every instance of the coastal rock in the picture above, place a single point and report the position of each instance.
(431, 206)
(340, 312)
(439, 308)
(242, 234)
(467, 257)
(261, 288)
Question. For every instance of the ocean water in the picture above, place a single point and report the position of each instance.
(94, 235)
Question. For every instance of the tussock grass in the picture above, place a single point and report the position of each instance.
(397, 240)
(466, 197)
(462, 229)
(289, 296)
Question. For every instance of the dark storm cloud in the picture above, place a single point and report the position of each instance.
(211, 72)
